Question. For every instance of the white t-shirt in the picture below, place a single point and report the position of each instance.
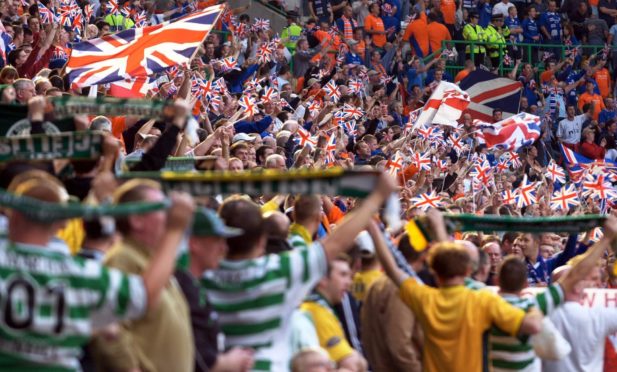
(585, 329)
(501, 8)
(569, 131)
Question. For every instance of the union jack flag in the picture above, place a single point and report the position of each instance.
(513, 159)
(555, 173)
(112, 7)
(352, 112)
(127, 10)
(565, 198)
(269, 95)
(482, 172)
(47, 16)
(264, 53)
(65, 19)
(220, 86)
(502, 166)
(350, 128)
(254, 85)
(426, 201)
(488, 91)
(248, 105)
(88, 12)
(215, 102)
(413, 117)
(598, 187)
(332, 91)
(512, 133)
(304, 138)
(508, 197)
(140, 52)
(201, 88)
(262, 24)
(141, 19)
(422, 161)
(355, 86)
(314, 107)
(526, 193)
(331, 150)
(395, 165)
(442, 165)
(228, 64)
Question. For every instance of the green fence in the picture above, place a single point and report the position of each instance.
(527, 49)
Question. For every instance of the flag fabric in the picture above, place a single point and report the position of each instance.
(140, 52)
(332, 91)
(426, 201)
(513, 159)
(488, 91)
(555, 173)
(422, 161)
(526, 193)
(137, 87)
(564, 198)
(331, 150)
(413, 118)
(248, 105)
(352, 112)
(598, 187)
(508, 197)
(445, 106)
(47, 16)
(304, 138)
(511, 133)
(395, 164)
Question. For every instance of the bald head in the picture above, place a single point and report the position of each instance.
(276, 225)
(472, 250)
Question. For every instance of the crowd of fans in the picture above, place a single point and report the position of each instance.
(315, 282)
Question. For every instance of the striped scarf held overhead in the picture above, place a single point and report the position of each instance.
(348, 26)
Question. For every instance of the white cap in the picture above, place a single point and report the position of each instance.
(365, 242)
(242, 137)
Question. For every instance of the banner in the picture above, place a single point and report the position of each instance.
(491, 223)
(64, 145)
(176, 164)
(334, 181)
(14, 122)
(44, 211)
(70, 105)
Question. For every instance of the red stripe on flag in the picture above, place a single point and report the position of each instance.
(496, 92)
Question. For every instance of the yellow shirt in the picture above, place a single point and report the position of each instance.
(362, 281)
(329, 330)
(453, 320)
(73, 234)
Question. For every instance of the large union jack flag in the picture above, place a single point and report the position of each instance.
(140, 52)
(488, 92)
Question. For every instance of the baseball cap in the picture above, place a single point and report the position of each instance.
(242, 137)
(365, 243)
(207, 223)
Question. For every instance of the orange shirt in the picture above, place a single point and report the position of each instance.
(603, 78)
(546, 76)
(333, 45)
(417, 35)
(448, 9)
(461, 75)
(586, 98)
(436, 34)
(372, 23)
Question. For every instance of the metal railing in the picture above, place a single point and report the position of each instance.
(528, 49)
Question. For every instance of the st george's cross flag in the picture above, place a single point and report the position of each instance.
(445, 106)
(140, 52)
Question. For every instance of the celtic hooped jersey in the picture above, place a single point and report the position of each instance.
(50, 303)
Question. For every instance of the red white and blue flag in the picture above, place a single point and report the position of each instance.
(488, 91)
(331, 150)
(426, 201)
(395, 165)
(555, 173)
(140, 52)
(526, 193)
(512, 133)
(248, 105)
(565, 198)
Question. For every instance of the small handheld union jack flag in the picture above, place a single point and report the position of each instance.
(352, 112)
(422, 161)
(555, 173)
(426, 201)
(331, 150)
(228, 64)
(395, 164)
(332, 91)
(565, 198)
(262, 24)
(304, 138)
(526, 193)
(248, 105)
(112, 7)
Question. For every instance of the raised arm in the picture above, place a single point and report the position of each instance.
(157, 274)
(340, 240)
(590, 259)
(393, 272)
